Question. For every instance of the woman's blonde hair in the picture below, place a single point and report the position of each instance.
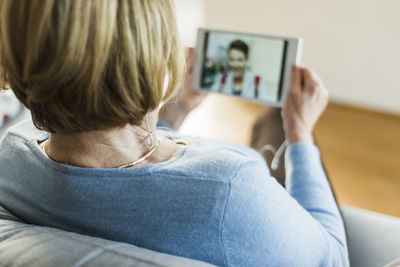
(84, 65)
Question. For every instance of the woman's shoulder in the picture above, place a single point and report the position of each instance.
(215, 160)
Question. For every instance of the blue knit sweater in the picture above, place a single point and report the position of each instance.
(213, 201)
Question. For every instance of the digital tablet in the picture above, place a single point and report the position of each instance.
(250, 66)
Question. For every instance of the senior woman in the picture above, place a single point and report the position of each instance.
(93, 74)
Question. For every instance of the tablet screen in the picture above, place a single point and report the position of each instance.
(249, 66)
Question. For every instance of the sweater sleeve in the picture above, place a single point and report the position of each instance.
(306, 181)
(263, 225)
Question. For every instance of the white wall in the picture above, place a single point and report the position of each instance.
(190, 16)
(353, 44)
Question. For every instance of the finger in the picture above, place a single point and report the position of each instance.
(190, 59)
(187, 51)
(296, 78)
(311, 79)
(190, 54)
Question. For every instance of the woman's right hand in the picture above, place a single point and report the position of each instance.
(305, 102)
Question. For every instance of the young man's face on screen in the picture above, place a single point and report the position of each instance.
(237, 62)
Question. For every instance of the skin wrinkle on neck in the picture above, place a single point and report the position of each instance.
(108, 148)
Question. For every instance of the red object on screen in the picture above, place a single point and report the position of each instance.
(6, 118)
(256, 82)
(223, 81)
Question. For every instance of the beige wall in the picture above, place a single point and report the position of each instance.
(190, 16)
(353, 44)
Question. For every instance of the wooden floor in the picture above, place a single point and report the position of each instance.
(360, 148)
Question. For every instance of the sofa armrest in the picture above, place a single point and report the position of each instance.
(373, 238)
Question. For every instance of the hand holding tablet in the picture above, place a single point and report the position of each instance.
(306, 99)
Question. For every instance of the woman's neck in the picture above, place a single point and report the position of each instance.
(107, 148)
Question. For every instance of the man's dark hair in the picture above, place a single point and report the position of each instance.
(241, 46)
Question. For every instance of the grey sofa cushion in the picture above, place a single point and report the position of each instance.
(373, 238)
(28, 245)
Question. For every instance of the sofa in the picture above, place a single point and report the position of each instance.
(374, 240)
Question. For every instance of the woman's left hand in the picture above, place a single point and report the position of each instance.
(175, 111)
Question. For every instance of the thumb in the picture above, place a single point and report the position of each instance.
(190, 58)
(296, 78)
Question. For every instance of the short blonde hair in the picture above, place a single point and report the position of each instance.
(84, 65)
